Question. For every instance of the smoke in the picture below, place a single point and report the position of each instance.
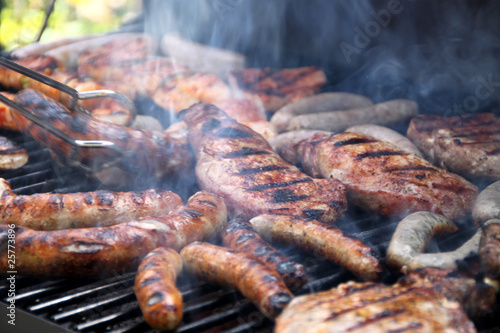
(438, 53)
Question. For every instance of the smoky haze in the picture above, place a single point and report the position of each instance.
(442, 54)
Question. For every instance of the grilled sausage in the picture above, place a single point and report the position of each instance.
(386, 134)
(489, 248)
(327, 241)
(146, 152)
(159, 299)
(385, 113)
(412, 236)
(11, 156)
(286, 139)
(52, 211)
(256, 281)
(446, 260)
(487, 204)
(323, 102)
(239, 235)
(239, 165)
(38, 48)
(91, 252)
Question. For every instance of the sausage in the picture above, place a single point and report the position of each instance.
(38, 48)
(147, 152)
(323, 102)
(412, 236)
(327, 241)
(104, 251)
(53, 211)
(386, 134)
(256, 281)
(240, 235)
(487, 204)
(385, 113)
(446, 260)
(11, 156)
(159, 299)
(284, 140)
(149, 123)
(489, 249)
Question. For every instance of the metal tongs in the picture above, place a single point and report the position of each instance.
(76, 95)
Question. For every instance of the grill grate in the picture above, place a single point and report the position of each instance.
(109, 305)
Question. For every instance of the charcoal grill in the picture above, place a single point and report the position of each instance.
(109, 305)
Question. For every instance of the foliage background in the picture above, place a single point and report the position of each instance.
(21, 20)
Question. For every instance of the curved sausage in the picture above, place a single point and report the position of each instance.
(284, 140)
(446, 260)
(256, 281)
(412, 235)
(385, 113)
(53, 211)
(327, 241)
(95, 252)
(159, 299)
(487, 204)
(386, 134)
(323, 102)
(239, 235)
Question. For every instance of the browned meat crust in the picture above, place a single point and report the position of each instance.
(276, 87)
(43, 64)
(7, 114)
(240, 166)
(159, 299)
(489, 248)
(327, 241)
(416, 304)
(52, 211)
(157, 153)
(382, 178)
(91, 252)
(255, 280)
(468, 145)
(240, 235)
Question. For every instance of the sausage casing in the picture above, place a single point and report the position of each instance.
(327, 241)
(91, 252)
(487, 204)
(159, 299)
(240, 235)
(53, 211)
(256, 281)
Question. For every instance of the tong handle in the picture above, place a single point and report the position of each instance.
(76, 95)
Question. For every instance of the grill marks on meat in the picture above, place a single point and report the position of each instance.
(276, 87)
(489, 248)
(51, 211)
(93, 252)
(381, 177)
(157, 153)
(250, 176)
(419, 302)
(159, 299)
(255, 280)
(240, 235)
(468, 145)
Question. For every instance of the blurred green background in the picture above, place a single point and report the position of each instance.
(21, 20)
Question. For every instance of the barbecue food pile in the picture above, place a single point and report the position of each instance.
(257, 189)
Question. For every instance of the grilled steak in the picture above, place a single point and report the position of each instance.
(239, 165)
(468, 145)
(381, 177)
(428, 301)
(276, 87)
